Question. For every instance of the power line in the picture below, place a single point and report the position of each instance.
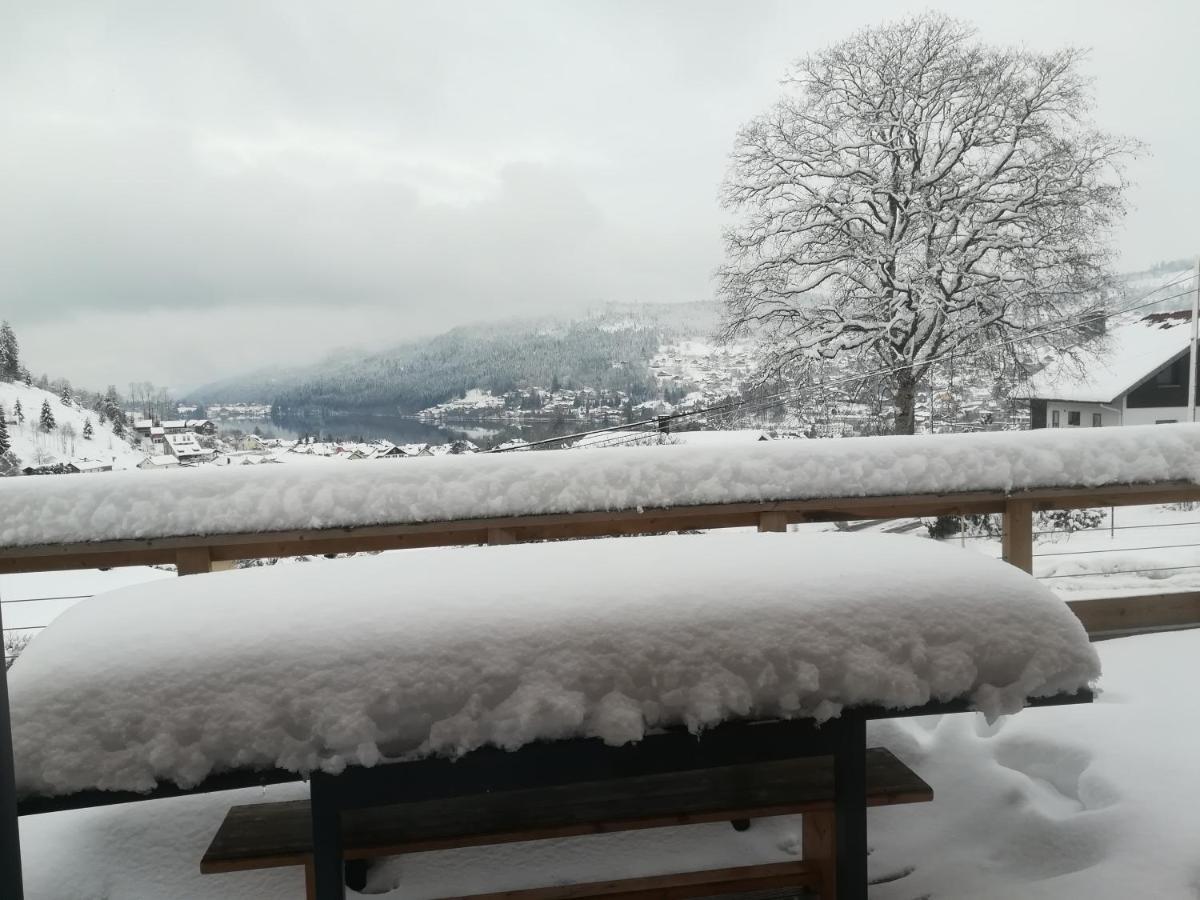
(761, 402)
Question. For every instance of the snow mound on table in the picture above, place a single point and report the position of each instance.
(243, 499)
(442, 651)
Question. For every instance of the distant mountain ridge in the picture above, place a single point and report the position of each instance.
(609, 348)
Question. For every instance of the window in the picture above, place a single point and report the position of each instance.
(1054, 418)
(1097, 420)
(1170, 376)
(1165, 421)
(1073, 418)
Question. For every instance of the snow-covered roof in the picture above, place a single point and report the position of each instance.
(436, 489)
(186, 446)
(92, 465)
(159, 462)
(1128, 355)
(173, 681)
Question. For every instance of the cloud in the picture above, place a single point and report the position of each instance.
(193, 172)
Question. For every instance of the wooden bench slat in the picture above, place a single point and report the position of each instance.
(708, 884)
(279, 834)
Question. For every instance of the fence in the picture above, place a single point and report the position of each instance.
(1102, 616)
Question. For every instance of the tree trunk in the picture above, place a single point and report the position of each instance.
(906, 393)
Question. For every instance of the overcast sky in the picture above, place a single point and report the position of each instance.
(189, 190)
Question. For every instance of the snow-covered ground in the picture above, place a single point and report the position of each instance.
(1098, 802)
(1134, 550)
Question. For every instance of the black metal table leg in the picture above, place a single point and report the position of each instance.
(850, 807)
(328, 877)
(10, 835)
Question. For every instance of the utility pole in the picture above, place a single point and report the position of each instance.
(1192, 355)
(10, 835)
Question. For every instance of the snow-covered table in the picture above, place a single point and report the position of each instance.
(334, 667)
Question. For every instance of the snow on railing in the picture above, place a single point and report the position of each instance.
(202, 502)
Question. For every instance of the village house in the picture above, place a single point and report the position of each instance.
(196, 426)
(155, 463)
(250, 443)
(149, 428)
(1139, 377)
(404, 451)
(90, 466)
(186, 448)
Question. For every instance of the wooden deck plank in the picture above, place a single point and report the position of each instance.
(1110, 616)
(279, 834)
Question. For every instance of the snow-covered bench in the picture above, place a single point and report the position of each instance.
(334, 667)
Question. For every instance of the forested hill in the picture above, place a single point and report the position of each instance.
(607, 350)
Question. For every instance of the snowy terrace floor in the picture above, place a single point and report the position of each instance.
(1071, 802)
(1135, 550)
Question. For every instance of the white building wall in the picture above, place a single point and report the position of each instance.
(1109, 416)
(1152, 414)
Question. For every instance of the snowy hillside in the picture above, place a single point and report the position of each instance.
(1164, 287)
(65, 442)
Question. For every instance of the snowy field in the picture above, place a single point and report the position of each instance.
(1098, 802)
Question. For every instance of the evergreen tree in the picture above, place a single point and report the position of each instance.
(112, 403)
(46, 421)
(10, 356)
(65, 396)
(4, 442)
(118, 428)
(26, 377)
(87, 429)
(19, 412)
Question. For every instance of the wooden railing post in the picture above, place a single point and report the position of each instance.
(772, 521)
(497, 536)
(193, 560)
(1018, 533)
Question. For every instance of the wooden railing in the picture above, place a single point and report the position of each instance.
(193, 555)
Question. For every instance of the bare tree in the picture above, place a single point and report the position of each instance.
(915, 191)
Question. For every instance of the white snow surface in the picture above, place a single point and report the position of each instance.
(241, 499)
(442, 651)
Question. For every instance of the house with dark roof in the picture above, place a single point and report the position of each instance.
(1138, 375)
